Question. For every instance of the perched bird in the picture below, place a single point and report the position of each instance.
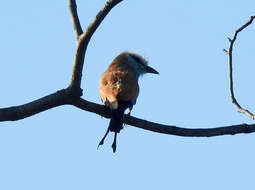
(118, 88)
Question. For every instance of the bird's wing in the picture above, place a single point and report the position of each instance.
(118, 85)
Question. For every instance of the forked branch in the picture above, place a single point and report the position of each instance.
(71, 95)
(84, 38)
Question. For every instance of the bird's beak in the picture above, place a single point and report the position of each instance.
(151, 70)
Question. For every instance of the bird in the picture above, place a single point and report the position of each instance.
(119, 89)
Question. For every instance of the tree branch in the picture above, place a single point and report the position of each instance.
(229, 52)
(165, 129)
(63, 97)
(69, 96)
(83, 42)
(75, 19)
(14, 113)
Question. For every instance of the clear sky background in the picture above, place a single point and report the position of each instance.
(183, 40)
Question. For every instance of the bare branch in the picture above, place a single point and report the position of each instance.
(83, 42)
(20, 112)
(75, 19)
(71, 95)
(63, 97)
(230, 50)
(165, 129)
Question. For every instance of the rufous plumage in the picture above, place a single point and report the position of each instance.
(119, 89)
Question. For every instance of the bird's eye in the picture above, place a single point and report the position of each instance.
(137, 59)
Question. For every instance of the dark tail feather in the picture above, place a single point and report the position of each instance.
(116, 123)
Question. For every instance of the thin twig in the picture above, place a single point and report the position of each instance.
(75, 19)
(230, 50)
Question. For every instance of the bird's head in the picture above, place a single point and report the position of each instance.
(139, 64)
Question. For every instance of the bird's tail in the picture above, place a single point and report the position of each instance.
(116, 123)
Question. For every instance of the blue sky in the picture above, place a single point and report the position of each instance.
(183, 40)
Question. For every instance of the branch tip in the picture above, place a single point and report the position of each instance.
(75, 19)
(225, 51)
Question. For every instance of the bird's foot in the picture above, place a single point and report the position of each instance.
(129, 111)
